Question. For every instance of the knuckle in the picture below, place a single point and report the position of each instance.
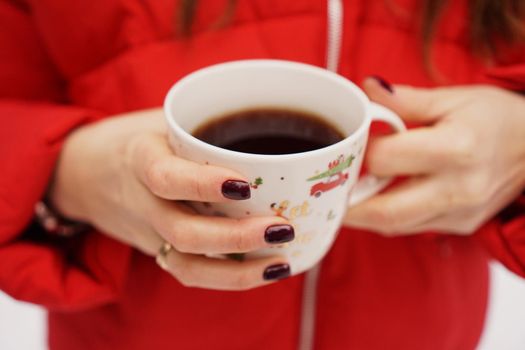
(477, 220)
(136, 150)
(239, 238)
(156, 176)
(185, 243)
(186, 282)
(165, 226)
(390, 230)
(430, 104)
(387, 231)
(242, 281)
(378, 161)
(197, 188)
(463, 151)
(183, 272)
(385, 218)
(475, 191)
(140, 145)
(468, 227)
(465, 230)
(162, 226)
(419, 104)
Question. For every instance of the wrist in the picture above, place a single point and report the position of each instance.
(521, 137)
(515, 132)
(69, 183)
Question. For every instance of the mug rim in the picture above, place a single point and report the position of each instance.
(189, 139)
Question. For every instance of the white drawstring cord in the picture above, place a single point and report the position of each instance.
(333, 50)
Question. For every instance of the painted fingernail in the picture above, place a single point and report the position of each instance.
(384, 84)
(276, 234)
(235, 189)
(276, 272)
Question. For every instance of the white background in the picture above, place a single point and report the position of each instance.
(22, 326)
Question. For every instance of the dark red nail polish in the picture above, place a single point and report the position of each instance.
(384, 84)
(276, 234)
(276, 272)
(235, 189)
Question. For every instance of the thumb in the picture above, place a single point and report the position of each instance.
(417, 105)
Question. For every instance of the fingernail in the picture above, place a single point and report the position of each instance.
(384, 84)
(276, 234)
(235, 189)
(276, 272)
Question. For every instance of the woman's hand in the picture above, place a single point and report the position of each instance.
(121, 176)
(465, 163)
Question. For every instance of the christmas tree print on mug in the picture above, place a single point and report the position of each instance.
(334, 176)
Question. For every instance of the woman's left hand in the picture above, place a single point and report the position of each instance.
(465, 163)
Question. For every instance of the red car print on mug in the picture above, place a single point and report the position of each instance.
(334, 176)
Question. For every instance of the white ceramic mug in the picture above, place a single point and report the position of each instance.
(311, 189)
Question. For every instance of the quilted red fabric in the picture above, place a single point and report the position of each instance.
(67, 63)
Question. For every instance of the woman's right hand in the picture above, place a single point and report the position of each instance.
(121, 176)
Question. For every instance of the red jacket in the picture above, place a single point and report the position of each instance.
(67, 63)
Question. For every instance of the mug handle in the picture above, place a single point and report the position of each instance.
(369, 185)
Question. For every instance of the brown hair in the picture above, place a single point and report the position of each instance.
(186, 13)
(491, 22)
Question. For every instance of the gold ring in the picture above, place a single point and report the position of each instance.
(162, 255)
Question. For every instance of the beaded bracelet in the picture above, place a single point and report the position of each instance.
(55, 224)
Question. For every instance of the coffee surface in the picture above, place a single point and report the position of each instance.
(269, 131)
